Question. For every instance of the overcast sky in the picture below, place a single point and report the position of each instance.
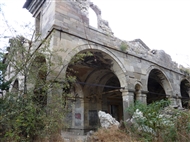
(160, 24)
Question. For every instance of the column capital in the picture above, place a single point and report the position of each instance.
(138, 93)
(124, 90)
(141, 95)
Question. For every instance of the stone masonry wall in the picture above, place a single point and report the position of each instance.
(131, 61)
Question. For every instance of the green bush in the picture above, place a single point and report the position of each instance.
(159, 122)
(23, 120)
(123, 46)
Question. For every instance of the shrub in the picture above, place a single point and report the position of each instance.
(123, 46)
(159, 122)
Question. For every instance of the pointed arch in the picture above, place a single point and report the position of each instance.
(15, 87)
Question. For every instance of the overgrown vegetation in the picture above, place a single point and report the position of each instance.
(184, 70)
(37, 102)
(24, 113)
(155, 122)
(111, 135)
(159, 122)
(123, 46)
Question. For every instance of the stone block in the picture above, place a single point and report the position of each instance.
(137, 75)
(137, 70)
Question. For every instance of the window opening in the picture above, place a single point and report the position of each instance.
(93, 19)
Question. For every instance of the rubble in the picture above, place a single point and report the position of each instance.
(106, 120)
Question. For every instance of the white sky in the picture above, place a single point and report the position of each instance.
(160, 24)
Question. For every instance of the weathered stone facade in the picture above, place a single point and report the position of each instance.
(118, 73)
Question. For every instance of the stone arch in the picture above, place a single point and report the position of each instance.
(101, 76)
(185, 93)
(103, 25)
(158, 85)
(93, 20)
(118, 67)
(97, 11)
(138, 86)
(106, 92)
(168, 87)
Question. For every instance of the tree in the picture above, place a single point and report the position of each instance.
(31, 78)
(30, 74)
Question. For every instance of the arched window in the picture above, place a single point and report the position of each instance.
(38, 75)
(93, 19)
(15, 87)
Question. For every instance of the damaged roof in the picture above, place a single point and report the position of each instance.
(27, 3)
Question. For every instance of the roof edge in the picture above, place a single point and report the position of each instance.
(143, 44)
(27, 3)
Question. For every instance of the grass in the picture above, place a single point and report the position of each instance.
(112, 134)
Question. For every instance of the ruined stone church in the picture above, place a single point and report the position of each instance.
(119, 72)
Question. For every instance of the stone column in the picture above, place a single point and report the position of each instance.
(188, 98)
(54, 96)
(172, 98)
(141, 97)
(178, 101)
(82, 105)
(54, 102)
(128, 100)
(173, 101)
(78, 116)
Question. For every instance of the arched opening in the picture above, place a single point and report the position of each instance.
(100, 86)
(185, 90)
(157, 83)
(93, 18)
(15, 87)
(112, 95)
(37, 80)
